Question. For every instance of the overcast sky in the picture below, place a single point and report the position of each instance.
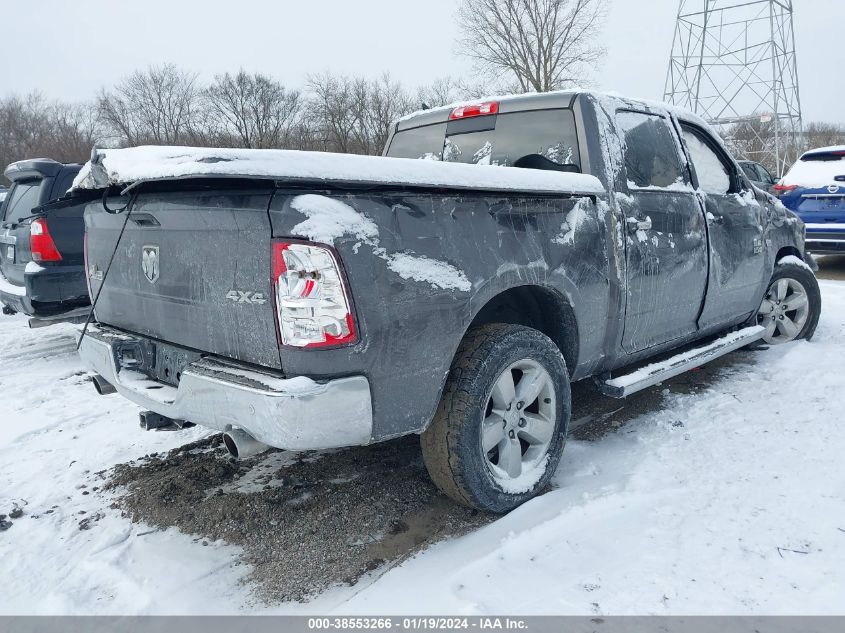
(71, 48)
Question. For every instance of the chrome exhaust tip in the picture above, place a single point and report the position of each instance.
(241, 445)
(102, 386)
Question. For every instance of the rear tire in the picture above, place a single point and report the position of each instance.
(792, 305)
(497, 370)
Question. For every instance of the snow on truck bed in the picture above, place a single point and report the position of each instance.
(125, 166)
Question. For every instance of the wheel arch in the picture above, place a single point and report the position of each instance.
(540, 307)
(785, 251)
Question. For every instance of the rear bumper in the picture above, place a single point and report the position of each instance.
(295, 414)
(825, 238)
(57, 288)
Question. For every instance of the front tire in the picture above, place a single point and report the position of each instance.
(501, 425)
(791, 306)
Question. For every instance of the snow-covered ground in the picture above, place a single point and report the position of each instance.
(729, 500)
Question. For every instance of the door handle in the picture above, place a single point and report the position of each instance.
(639, 225)
(716, 219)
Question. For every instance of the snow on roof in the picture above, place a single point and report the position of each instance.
(598, 95)
(126, 166)
(824, 150)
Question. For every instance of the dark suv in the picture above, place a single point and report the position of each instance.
(42, 269)
(758, 175)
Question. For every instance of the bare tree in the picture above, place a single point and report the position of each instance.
(157, 105)
(446, 90)
(333, 110)
(542, 44)
(378, 104)
(73, 130)
(255, 109)
(31, 127)
(823, 135)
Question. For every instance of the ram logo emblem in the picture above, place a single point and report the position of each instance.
(150, 263)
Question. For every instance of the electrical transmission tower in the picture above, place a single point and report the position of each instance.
(733, 63)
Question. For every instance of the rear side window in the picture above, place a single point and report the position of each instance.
(651, 153)
(21, 200)
(713, 174)
(497, 140)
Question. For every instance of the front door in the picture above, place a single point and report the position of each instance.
(735, 218)
(666, 241)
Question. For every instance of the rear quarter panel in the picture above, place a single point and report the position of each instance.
(479, 246)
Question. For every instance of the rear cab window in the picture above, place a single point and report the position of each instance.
(22, 198)
(545, 139)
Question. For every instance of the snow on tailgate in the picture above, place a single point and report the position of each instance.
(125, 166)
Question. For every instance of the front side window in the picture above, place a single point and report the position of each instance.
(765, 176)
(651, 153)
(750, 172)
(23, 197)
(713, 174)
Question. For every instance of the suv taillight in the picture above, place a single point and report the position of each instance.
(781, 190)
(41, 242)
(313, 307)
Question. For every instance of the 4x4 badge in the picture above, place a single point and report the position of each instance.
(241, 296)
(150, 263)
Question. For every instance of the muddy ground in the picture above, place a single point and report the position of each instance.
(309, 521)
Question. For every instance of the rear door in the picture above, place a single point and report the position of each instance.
(735, 226)
(666, 246)
(193, 269)
(14, 229)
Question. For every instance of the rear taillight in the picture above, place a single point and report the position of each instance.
(474, 109)
(782, 189)
(313, 307)
(41, 242)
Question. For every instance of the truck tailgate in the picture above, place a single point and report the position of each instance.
(192, 269)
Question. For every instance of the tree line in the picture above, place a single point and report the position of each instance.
(167, 105)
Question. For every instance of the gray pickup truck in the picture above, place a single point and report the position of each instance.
(309, 301)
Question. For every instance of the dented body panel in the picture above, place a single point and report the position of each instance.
(612, 277)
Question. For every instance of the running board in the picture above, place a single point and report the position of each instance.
(650, 375)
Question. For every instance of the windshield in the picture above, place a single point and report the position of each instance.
(504, 140)
(23, 197)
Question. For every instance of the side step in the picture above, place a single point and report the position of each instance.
(650, 375)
